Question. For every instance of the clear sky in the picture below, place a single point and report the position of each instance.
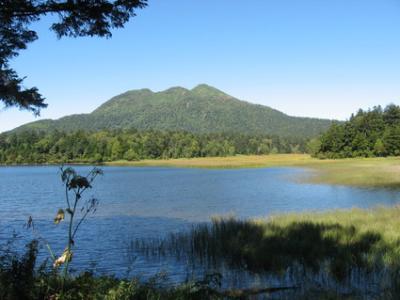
(304, 57)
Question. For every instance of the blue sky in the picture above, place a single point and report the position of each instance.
(306, 58)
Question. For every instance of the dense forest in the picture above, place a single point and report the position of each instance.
(375, 132)
(110, 145)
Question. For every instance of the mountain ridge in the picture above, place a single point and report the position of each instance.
(202, 109)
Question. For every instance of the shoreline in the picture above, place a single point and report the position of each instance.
(375, 172)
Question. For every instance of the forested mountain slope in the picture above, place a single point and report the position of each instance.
(203, 109)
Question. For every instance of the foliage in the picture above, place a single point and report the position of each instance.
(17, 272)
(375, 132)
(313, 146)
(103, 146)
(75, 19)
(203, 109)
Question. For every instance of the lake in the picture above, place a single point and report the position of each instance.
(148, 202)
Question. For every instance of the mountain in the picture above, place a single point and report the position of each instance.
(203, 109)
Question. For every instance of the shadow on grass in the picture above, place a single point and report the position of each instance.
(268, 248)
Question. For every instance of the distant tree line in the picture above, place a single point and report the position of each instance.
(375, 132)
(109, 145)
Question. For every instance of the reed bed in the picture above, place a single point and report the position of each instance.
(354, 252)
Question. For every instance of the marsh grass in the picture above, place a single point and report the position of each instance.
(356, 251)
(237, 161)
(361, 172)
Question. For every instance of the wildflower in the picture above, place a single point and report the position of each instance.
(65, 257)
(59, 217)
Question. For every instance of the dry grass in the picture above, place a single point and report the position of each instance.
(238, 161)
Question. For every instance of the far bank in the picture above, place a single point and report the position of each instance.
(361, 172)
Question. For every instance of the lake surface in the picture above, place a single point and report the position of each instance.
(151, 202)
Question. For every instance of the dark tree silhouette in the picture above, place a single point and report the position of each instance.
(76, 18)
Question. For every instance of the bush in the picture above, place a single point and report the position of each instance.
(17, 273)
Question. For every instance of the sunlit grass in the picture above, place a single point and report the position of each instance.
(347, 247)
(366, 172)
(238, 161)
(383, 220)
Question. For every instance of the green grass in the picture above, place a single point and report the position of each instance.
(314, 249)
(382, 220)
(364, 172)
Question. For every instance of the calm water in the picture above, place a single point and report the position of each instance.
(150, 202)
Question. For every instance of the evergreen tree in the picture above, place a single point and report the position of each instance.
(367, 133)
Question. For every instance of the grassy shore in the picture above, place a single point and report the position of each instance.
(378, 227)
(365, 172)
(357, 251)
(382, 220)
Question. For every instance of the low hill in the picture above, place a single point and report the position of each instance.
(203, 109)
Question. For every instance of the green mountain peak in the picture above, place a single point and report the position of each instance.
(205, 90)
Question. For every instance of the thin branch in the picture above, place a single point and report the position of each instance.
(67, 196)
(90, 180)
(45, 9)
(79, 223)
